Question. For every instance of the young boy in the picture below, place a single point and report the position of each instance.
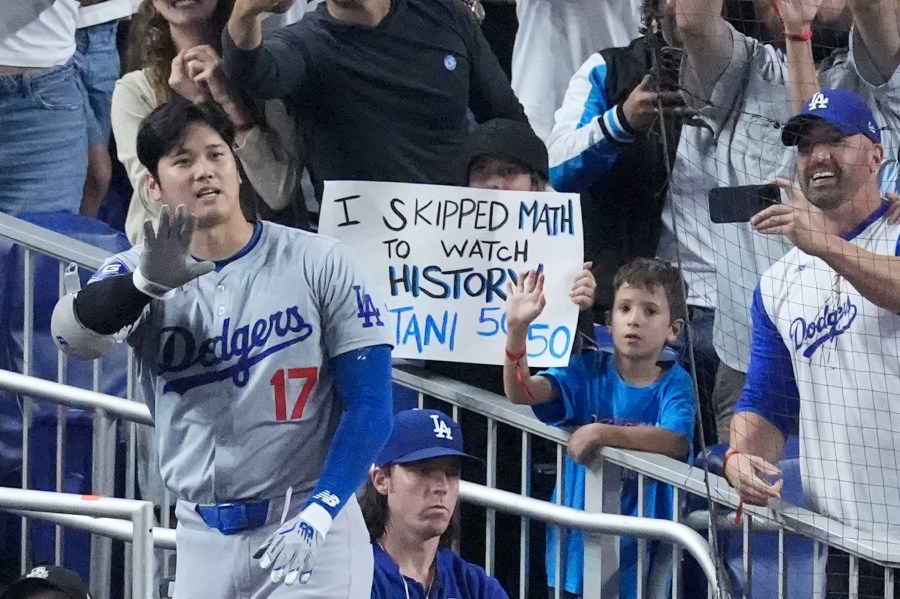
(628, 399)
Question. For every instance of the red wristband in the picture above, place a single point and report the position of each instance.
(794, 37)
(728, 455)
(515, 357)
(798, 37)
(740, 508)
(521, 380)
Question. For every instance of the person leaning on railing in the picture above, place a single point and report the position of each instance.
(745, 89)
(826, 337)
(629, 399)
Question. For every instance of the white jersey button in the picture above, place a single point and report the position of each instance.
(221, 310)
(220, 288)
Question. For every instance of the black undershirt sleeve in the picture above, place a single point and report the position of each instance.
(109, 305)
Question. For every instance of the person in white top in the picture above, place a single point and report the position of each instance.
(826, 335)
(554, 39)
(43, 140)
(174, 50)
(742, 87)
(97, 58)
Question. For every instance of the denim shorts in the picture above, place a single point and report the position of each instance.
(43, 141)
(97, 59)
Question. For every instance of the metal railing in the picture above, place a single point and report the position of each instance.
(783, 519)
(595, 524)
(602, 485)
(36, 244)
(140, 513)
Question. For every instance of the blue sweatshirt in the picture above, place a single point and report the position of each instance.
(455, 579)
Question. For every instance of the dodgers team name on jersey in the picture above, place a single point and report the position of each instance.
(815, 309)
(181, 350)
(836, 318)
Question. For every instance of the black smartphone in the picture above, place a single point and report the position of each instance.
(738, 204)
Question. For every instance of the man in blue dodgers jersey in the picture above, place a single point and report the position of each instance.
(826, 334)
(411, 503)
(264, 363)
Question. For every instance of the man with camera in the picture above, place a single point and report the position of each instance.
(746, 90)
(826, 337)
(615, 141)
(608, 128)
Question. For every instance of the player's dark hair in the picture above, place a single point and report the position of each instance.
(165, 129)
(374, 507)
(650, 274)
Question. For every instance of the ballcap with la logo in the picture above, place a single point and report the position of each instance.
(422, 435)
(843, 110)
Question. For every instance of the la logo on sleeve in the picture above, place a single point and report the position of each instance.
(441, 430)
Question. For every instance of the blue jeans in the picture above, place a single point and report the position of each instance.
(43, 141)
(97, 58)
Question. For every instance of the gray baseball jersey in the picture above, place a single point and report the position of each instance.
(235, 365)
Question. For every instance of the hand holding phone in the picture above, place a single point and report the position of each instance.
(738, 204)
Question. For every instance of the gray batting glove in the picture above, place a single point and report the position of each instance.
(291, 550)
(166, 262)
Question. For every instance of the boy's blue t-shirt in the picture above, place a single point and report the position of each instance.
(591, 390)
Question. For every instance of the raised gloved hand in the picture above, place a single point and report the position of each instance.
(290, 551)
(166, 261)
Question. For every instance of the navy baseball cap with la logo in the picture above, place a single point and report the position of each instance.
(843, 110)
(48, 577)
(422, 435)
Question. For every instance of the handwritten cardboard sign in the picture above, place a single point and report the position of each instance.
(440, 258)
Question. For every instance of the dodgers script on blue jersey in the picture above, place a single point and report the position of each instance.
(845, 355)
(239, 384)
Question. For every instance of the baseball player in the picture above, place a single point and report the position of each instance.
(409, 504)
(264, 362)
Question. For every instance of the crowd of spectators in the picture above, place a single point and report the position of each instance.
(642, 116)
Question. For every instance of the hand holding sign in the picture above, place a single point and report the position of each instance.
(584, 288)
